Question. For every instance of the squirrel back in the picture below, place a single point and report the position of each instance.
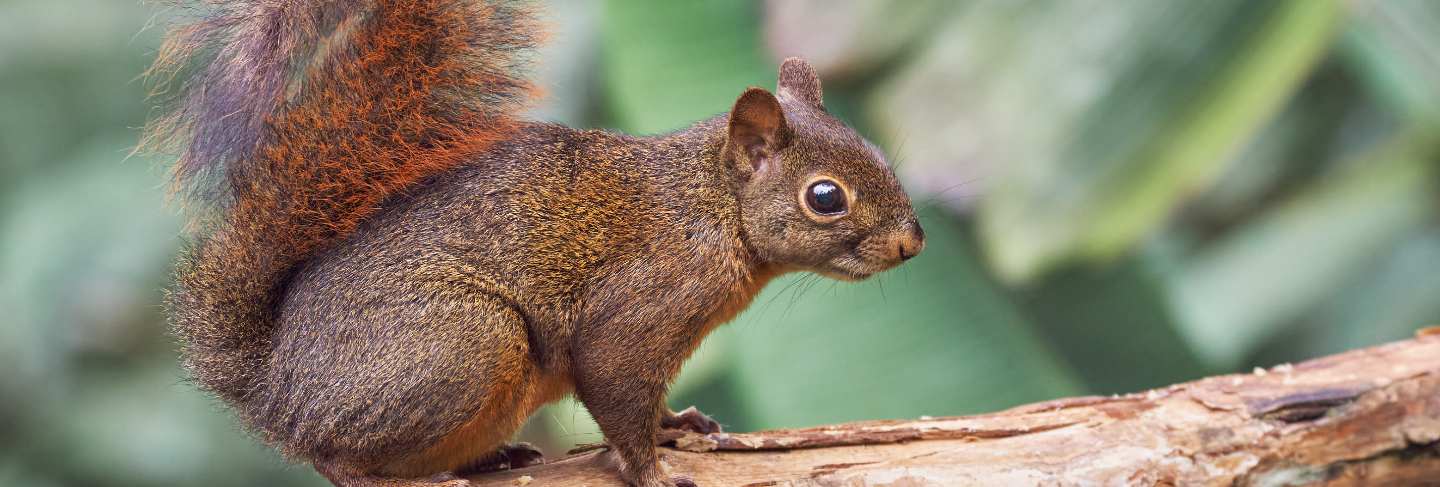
(293, 123)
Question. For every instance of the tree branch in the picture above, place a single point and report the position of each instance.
(1369, 416)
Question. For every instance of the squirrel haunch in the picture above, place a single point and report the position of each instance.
(296, 156)
(395, 271)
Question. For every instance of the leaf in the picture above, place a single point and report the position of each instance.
(1385, 302)
(669, 64)
(1239, 291)
(137, 425)
(1113, 325)
(84, 257)
(1392, 46)
(1247, 92)
(1086, 134)
(849, 39)
(1391, 303)
(568, 63)
(1330, 119)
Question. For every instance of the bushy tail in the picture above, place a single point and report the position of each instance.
(293, 120)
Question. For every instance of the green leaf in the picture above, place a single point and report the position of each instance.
(1396, 299)
(1388, 301)
(669, 64)
(1331, 119)
(1162, 133)
(850, 40)
(1248, 92)
(1113, 325)
(1392, 46)
(84, 255)
(138, 425)
(1239, 291)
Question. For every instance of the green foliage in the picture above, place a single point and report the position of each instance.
(1116, 197)
(1113, 326)
(667, 64)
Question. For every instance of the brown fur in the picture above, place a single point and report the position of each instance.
(322, 153)
(396, 285)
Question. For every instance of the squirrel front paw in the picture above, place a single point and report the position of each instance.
(658, 474)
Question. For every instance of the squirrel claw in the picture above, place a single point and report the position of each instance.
(521, 455)
(508, 457)
(690, 419)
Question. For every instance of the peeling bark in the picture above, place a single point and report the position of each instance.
(1365, 417)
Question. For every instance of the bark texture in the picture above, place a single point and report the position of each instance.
(1364, 417)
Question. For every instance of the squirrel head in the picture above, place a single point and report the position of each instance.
(813, 194)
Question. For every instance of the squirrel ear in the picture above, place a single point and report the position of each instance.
(757, 129)
(799, 82)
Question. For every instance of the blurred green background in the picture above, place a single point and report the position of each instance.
(1119, 195)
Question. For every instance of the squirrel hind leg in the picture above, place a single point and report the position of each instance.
(346, 475)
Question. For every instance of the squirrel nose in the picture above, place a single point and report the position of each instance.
(908, 244)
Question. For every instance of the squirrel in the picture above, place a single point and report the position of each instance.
(390, 269)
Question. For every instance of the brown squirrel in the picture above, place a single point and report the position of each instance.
(395, 271)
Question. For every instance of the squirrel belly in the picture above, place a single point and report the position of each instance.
(426, 338)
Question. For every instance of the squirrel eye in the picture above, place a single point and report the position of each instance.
(825, 197)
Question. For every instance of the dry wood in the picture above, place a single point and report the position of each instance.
(1365, 417)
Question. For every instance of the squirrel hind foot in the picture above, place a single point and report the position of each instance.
(344, 475)
(507, 457)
